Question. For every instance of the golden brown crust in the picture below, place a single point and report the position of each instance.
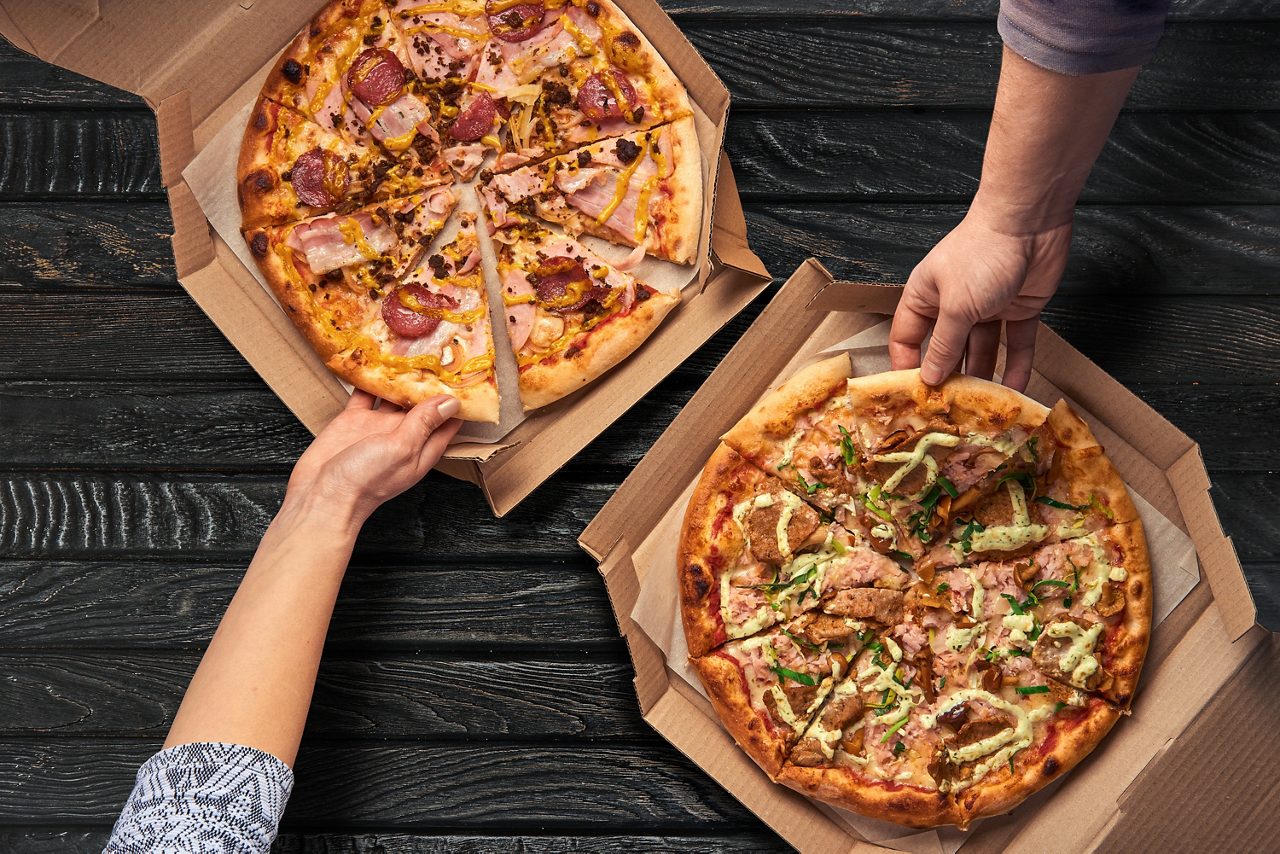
(726, 687)
(602, 347)
(479, 400)
(1072, 736)
(843, 787)
(666, 88)
(971, 404)
(1083, 464)
(677, 237)
(774, 417)
(335, 32)
(1125, 646)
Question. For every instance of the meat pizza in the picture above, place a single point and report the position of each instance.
(361, 158)
(922, 604)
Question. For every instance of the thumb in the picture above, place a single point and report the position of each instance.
(424, 419)
(946, 347)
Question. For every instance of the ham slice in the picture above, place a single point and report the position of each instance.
(519, 317)
(326, 247)
(398, 123)
(465, 159)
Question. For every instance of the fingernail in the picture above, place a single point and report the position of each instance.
(448, 407)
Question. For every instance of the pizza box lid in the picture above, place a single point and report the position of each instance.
(198, 69)
(1193, 764)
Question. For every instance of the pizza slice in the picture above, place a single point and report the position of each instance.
(291, 168)
(767, 687)
(571, 315)
(753, 554)
(348, 71)
(383, 313)
(872, 741)
(643, 189)
(557, 75)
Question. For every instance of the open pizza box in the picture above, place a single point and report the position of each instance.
(200, 65)
(1192, 767)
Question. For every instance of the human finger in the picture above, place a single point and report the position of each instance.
(360, 399)
(946, 347)
(1020, 350)
(428, 416)
(911, 321)
(436, 444)
(980, 354)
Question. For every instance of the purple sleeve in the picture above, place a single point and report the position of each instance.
(1083, 36)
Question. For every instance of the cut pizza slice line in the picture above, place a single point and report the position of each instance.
(643, 190)
(754, 555)
(359, 287)
(570, 314)
(767, 688)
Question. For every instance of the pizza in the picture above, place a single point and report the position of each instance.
(387, 125)
(919, 603)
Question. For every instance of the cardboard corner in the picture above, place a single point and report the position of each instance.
(1218, 559)
(866, 297)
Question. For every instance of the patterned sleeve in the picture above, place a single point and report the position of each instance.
(1083, 36)
(204, 798)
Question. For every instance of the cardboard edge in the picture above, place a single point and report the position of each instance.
(1218, 559)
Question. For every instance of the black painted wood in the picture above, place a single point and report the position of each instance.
(475, 694)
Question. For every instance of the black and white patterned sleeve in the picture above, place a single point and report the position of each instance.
(204, 798)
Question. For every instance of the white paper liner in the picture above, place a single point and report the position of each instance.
(1174, 567)
(211, 175)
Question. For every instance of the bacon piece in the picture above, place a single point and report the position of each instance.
(325, 248)
(320, 178)
(867, 603)
(464, 159)
(520, 316)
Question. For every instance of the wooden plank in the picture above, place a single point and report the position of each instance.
(488, 603)
(62, 515)
(1151, 158)
(877, 64)
(511, 787)
(833, 155)
(148, 426)
(26, 81)
(938, 10)
(80, 155)
(744, 839)
(1158, 249)
(446, 696)
(1116, 248)
(96, 242)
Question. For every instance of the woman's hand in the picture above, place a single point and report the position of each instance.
(366, 456)
(975, 279)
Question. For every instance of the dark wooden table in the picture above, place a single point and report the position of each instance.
(475, 694)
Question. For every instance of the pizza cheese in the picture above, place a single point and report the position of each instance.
(372, 129)
(919, 603)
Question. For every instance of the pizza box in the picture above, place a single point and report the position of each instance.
(1192, 767)
(200, 68)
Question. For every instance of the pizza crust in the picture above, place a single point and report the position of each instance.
(843, 787)
(727, 689)
(479, 400)
(667, 88)
(1126, 644)
(1084, 465)
(774, 417)
(1075, 736)
(677, 240)
(549, 379)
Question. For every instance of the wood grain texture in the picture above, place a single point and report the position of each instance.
(64, 515)
(192, 427)
(740, 840)
(819, 154)
(643, 786)
(879, 64)
(442, 697)
(935, 10)
(157, 605)
(98, 242)
(29, 83)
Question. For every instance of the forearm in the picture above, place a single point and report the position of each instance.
(1046, 133)
(254, 684)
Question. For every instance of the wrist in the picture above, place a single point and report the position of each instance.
(1022, 215)
(328, 513)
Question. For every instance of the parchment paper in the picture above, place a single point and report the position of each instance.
(657, 610)
(211, 175)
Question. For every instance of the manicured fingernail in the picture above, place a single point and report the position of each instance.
(448, 407)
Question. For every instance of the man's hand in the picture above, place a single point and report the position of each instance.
(977, 278)
(366, 456)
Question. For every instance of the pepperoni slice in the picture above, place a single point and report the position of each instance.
(597, 99)
(376, 77)
(406, 310)
(320, 178)
(514, 23)
(475, 121)
(560, 278)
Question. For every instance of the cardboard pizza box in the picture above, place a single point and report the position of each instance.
(1192, 767)
(200, 68)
